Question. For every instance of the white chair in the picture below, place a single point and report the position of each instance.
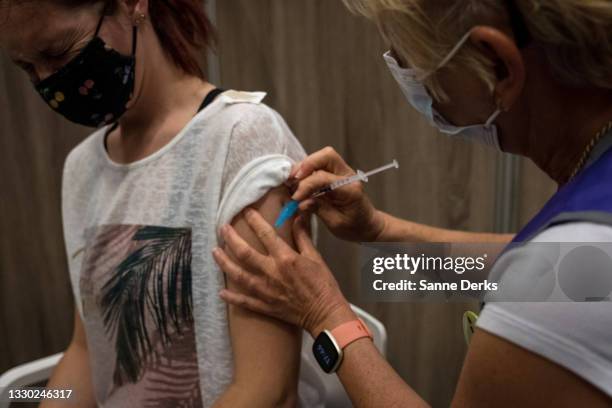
(27, 374)
(328, 387)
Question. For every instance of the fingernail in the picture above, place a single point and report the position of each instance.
(249, 212)
(298, 174)
(295, 195)
(215, 251)
(294, 169)
(224, 230)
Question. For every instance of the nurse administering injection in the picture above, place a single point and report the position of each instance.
(527, 77)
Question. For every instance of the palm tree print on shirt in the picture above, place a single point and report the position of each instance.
(136, 289)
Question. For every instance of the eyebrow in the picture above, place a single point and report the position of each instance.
(63, 39)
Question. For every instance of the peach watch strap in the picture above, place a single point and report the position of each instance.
(348, 332)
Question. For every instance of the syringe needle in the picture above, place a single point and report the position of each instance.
(292, 206)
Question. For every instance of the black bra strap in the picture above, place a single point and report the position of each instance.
(134, 39)
(210, 97)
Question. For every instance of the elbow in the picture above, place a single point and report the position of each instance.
(279, 396)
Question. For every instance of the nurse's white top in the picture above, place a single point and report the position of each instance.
(139, 238)
(575, 335)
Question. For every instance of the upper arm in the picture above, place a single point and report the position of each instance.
(499, 373)
(266, 351)
(78, 333)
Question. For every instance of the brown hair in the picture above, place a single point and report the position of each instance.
(182, 26)
(183, 30)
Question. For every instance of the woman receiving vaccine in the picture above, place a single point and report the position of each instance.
(172, 158)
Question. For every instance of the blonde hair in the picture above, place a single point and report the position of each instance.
(575, 35)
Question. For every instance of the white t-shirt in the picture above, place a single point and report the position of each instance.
(577, 336)
(139, 238)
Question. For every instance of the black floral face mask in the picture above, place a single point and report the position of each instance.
(94, 87)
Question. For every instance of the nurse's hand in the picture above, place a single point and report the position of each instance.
(347, 211)
(296, 287)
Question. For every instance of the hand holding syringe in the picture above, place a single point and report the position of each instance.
(292, 206)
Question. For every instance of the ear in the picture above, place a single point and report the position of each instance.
(136, 9)
(507, 60)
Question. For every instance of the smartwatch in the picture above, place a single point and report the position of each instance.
(328, 345)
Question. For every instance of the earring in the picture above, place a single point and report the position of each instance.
(139, 19)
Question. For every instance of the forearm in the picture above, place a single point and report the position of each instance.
(367, 377)
(73, 373)
(398, 230)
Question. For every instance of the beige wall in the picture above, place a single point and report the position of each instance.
(323, 70)
(35, 296)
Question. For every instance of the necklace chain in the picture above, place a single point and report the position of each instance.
(589, 148)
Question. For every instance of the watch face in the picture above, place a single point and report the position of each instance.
(326, 352)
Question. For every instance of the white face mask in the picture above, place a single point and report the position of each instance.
(416, 93)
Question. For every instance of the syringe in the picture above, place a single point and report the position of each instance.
(292, 206)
